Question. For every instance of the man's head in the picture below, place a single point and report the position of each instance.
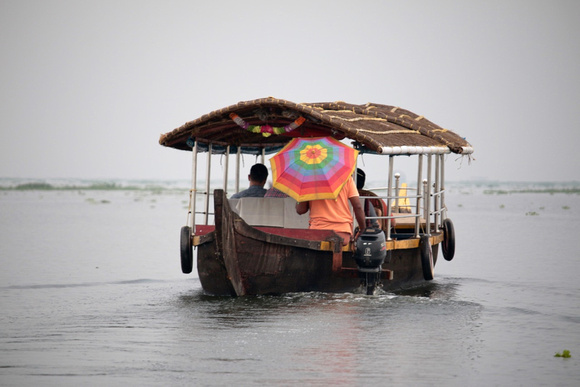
(360, 178)
(258, 174)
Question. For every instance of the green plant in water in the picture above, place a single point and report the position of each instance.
(565, 354)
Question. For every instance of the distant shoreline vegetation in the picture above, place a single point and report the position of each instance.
(93, 186)
(41, 186)
(151, 185)
(551, 191)
(508, 188)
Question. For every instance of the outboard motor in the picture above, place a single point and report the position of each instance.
(369, 255)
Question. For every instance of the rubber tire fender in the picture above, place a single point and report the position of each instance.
(186, 250)
(448, 245)
(426, 257)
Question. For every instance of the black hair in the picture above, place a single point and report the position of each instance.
(259, 172)
(360, 178)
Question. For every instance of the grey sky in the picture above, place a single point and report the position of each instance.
(88, 86)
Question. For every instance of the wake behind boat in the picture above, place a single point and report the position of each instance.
(253, 246)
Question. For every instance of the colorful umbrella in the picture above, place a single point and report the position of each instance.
(313, 168)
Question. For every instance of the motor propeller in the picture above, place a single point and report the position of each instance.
(370, 253)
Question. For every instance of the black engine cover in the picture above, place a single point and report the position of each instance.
(371, 250)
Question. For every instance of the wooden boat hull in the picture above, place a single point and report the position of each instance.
(238, 259)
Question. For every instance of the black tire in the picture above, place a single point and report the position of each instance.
(426, 257)
(186, 250)
(448, 245)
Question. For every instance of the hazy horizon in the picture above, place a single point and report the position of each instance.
(88, 87)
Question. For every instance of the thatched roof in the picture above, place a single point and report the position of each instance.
(372, 127)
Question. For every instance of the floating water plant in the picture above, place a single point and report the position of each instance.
(532, 213)
(565, 354)
(94, 201)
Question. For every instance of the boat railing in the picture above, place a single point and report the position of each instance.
(439, 212)
(391, 216)
(422, 205)
(193, 212)
(401, 212)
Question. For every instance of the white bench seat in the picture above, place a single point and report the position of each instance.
(269, 212)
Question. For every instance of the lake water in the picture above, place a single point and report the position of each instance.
(91, 293)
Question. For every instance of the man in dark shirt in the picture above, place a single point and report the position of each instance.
(257, 177)
(275, 193)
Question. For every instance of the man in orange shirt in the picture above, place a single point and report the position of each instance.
(334, 214)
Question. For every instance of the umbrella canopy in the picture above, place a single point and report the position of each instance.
(313, 168)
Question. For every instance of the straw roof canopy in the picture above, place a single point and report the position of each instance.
(374, 128)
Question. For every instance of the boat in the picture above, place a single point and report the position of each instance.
(260, 246)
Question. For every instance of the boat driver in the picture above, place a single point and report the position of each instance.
(257, 177)
(334, 214)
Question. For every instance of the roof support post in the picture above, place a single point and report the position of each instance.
(389, 196)
(419, 196)
(193, 191)
(226, 168)
(437, 193)
(427, 194)
(238, 168)
(443, 208)
(397, 192)
(207, 184)
(355, 177)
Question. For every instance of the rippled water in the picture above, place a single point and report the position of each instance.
(91, 293)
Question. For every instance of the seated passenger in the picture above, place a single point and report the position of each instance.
(257, 177)
(334, 214)
(275, 193)
(369, 208)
